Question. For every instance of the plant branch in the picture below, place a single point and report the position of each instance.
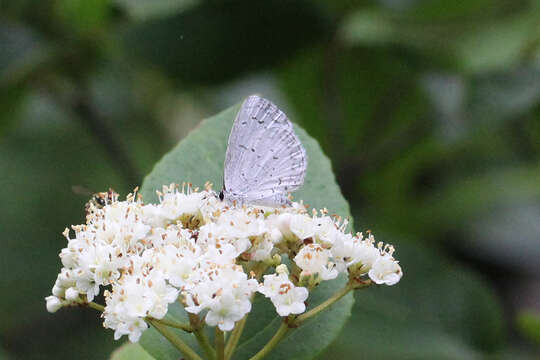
(96, 306)
(174, 324)
(220, 344)
(323, 306)
(234, 338)
(201, 336)
(270, 345)
(175, 340)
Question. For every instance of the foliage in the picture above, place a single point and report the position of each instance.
(428, 110)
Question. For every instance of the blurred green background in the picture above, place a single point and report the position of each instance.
(429, 110)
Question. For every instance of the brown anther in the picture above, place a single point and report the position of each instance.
(308, 241)
(284, 288)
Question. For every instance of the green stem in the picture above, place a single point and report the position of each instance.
(196, 325)
(174, 324)
(96, 306)
(317, 309)
(234, 338)
(205, 343)
(220, 344)
(278, 336)
(175, 340)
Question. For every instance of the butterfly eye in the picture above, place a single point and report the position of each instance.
(221, 196)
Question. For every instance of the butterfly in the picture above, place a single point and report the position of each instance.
(265, 160)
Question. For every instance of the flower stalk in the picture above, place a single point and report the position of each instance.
(174, 324)
(220, 344)
(96, 306)
(270, 345)
(202, 339)
(175, 340)
(323, 306)
(232, 342)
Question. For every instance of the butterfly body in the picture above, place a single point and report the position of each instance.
(265, 160)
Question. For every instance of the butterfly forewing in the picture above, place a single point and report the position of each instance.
(265, 159)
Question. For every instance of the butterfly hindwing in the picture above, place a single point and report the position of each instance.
(265, 159)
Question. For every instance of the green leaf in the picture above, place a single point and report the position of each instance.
(130, 351)
(144, 9)
(199, 158)
(82, 16)
(499, 45)
(368, 27)
(528, 321)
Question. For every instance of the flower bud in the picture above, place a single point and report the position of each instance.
(53, 304)
(72, 294)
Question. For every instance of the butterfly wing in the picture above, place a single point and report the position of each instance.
(265, 159)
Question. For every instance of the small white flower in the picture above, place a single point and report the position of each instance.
(86, 284)
(69, 257)
(354, 251)
(313, 259)
(225, 291)
(160, 294)
(53, 304)
(72, 294)
(282, 269)
(325, 230)
(287, 298)
(302, 226)
(385, 270)
(178, 268)
(58, 290)
(174, 204)
(154, 216)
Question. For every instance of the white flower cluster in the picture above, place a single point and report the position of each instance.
(200, 251)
